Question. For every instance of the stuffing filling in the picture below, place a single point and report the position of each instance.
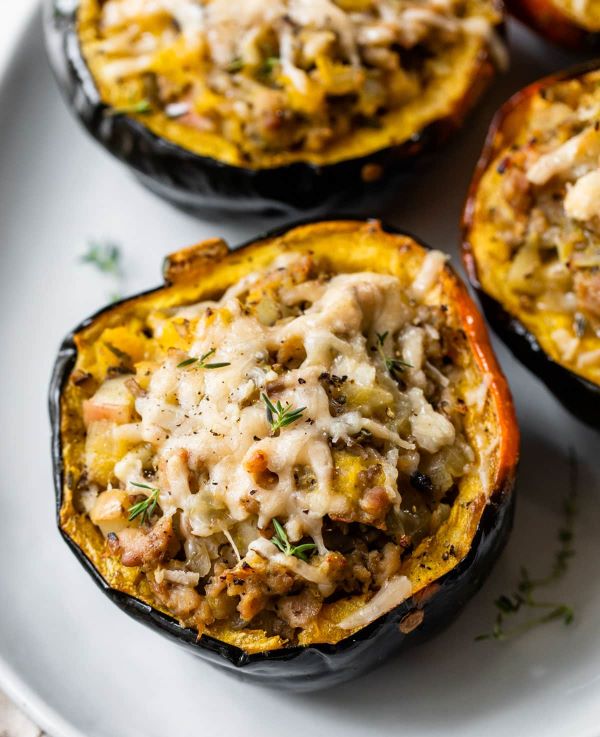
(542, 200)
(276, 75)
(285, 445)
(584, 12)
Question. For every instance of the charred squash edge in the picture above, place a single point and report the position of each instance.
(579, 395)
(545, 18)
(321, 665)
(203, 184)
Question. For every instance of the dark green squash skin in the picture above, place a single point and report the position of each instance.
(319, 666)
(579, 396)
(202, 185)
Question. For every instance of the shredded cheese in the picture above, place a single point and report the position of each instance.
(297, 403)
(213, 427)
(540, 199)
(391, 594)
(271, 74)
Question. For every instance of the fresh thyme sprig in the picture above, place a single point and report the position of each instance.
(107, 258)
(524, 596)
(201, 362)
(282, 542)
(393, 365)
(141, 107)
(279, 416)
(146, 507)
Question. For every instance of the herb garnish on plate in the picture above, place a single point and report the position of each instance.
(524, 597)
(107, 258)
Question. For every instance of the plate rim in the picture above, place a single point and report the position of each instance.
(25, 698)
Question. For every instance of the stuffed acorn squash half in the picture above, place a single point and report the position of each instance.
(274, 103)
(294, 458)
(571, 23)
(532, 233)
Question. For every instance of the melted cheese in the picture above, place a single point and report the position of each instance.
(572, 157)
(238, 66)
(390, 595)
(360, 356)
(211, 423)
(582, 201)
(538, 221)
(225, 23)
(212, 426)
(433, 263)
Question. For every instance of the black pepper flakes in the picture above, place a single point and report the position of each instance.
(421, 482)
(503, 165)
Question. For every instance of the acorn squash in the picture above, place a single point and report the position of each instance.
(568, 23)
(400, 496)
(531, 230)
(297, 113)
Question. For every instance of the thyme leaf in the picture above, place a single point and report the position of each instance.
(269, 65)
(235, 65)
(118, 353)
(393, 365)
(187, 362)
(141, 107)
(146, 507)
(106, 257)
(201, 362)
(124, 359)
(524, 596)
(279, 416)
(281, 541)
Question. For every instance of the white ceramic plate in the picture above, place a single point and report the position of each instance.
(80, 666)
